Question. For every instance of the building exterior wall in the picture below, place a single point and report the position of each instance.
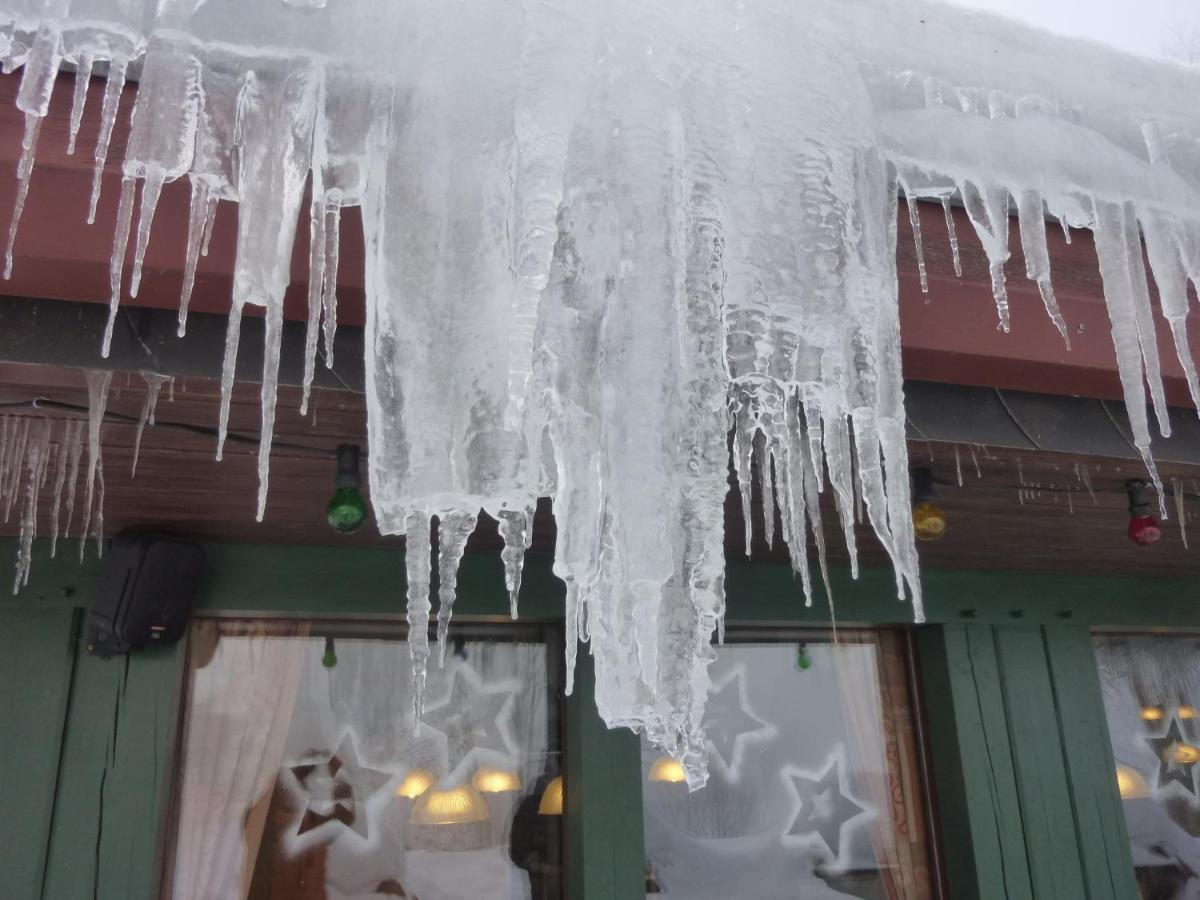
(1021, 768)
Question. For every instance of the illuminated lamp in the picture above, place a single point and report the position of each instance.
(667, 770)
(551, 803)
(453, 806)
(488, 780)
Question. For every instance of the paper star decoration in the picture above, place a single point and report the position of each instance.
(824, 810)
(338, 789)
(1170, 767)
(729, 723)
(473, 718)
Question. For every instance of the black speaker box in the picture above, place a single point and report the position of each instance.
(145, 594)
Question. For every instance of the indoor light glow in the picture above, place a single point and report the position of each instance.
(1152, 714)
(668, 770)
(455, 806)
(1187, 712)
(1131, 784)
(1186, 754)
(552, 799)
(490, 780)
(415, 783)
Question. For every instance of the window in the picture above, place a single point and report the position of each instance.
(814, 790)
(1151, 690)
(302, 775)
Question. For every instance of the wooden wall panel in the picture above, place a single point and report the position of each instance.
(36, 659)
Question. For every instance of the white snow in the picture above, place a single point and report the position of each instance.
(600, 234)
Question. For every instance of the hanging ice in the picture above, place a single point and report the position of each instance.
(602, 237)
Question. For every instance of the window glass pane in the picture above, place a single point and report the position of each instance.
(302, 775)
(1151, 695)
(814, 787)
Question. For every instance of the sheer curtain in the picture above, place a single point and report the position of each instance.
(243, 690)
(882, 755)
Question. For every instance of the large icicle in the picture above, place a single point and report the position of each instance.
(33, 99)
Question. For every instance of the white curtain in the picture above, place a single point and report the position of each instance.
(240, 708)
(870, 676)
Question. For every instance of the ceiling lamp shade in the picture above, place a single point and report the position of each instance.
(490, 780)
(668, 770)
(454, 806)
(552, 799)
(415, 783)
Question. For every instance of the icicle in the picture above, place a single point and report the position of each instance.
(114, 84)
(98, 531)
(958, 466)
(117, 263)
(233, 331)
(316, 284)
(975, 460)
(154, 383)
(914, 218)
(272, 341)
(987, 209)
(837, 461)
(68, 450)
(97, 383)
(333, 226)
(1122, 297)
(1180, 514)
(199, 222)
(1031, 219)
(151, 191)
(416, 559)
(1020, 472)
(33, 469)
(75, 449)
(767, 472)
(516, 528)
(453, 530)
(1164, 248)
(1070, 502)
(83, 77)
(33, 126)
(14, 465)
(953, 233)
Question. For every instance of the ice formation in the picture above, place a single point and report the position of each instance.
(603, 236)
(30, 448)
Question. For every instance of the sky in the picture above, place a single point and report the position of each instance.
(1148, 27)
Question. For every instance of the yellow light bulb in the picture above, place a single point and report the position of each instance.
(551, 803)
(1131, 784)
(489, 780)
(667, 770)
(415, 783)
(929, 522)
(454, 806)
(1152, 714)
(1187, 712)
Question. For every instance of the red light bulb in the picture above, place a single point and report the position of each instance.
(1143, 527)
(1144, 530)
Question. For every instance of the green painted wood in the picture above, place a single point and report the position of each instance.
(36, 658)
(606, 854)
(356, 581)
(1040, 767)
(110, 812)
(1096, 802)
(980, 820)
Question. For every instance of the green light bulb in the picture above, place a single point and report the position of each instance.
(346, 511)
(329, 657)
